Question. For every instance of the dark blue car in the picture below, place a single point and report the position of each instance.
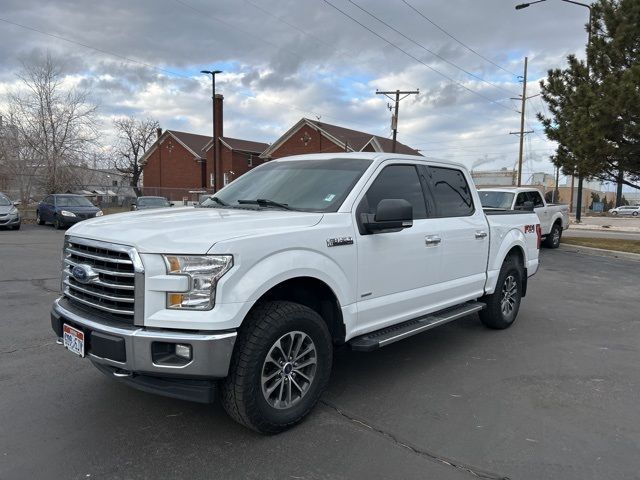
(65, 209)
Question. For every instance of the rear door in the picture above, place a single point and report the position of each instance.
(465, 234)
(544, 213)
(47, 211)
(397, 271)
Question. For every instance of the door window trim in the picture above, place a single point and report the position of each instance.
(431, 188)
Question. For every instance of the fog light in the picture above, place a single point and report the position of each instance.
(183, 351)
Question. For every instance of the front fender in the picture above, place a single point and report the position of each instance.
(249, 285)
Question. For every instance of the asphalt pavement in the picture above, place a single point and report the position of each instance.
(555, 396)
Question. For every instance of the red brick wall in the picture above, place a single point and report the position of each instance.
(315, 144)
(172, 166)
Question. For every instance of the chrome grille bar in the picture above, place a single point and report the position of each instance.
(116, 285)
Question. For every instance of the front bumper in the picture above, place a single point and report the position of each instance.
(126, 350)
(7, 221)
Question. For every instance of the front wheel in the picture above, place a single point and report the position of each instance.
(635, 214)
(614, 213)
(503, 304)
(57, 224)
(280, 366)
(553, 239)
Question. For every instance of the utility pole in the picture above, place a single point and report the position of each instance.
(522, 133)
(394, 118)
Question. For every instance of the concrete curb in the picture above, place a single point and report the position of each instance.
(600, 252)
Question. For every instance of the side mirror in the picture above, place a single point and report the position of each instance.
(392, 215)
(17, 203)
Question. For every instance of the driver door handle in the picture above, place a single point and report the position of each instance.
(481, 234)
(432, 240)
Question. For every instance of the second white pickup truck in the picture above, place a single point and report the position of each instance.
(250, 293)
(554, 218)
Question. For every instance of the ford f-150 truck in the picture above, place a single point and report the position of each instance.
(250, 293)
(554, 218)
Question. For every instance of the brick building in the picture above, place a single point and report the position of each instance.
(312, 136)
(180, 164)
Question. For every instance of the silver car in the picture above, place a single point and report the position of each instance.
(9, 215)
(626, 210)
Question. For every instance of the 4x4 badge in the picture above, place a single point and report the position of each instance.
(339, 241)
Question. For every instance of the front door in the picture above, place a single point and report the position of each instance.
(396, 270)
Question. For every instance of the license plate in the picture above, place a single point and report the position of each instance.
(73, 339)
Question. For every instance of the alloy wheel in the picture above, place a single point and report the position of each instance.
(509, 294)
(288, 370)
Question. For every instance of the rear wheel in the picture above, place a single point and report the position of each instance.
(614, 213)
(503, 304)
(553, 239)
(39, 219)
(280, 367)
(635, 214)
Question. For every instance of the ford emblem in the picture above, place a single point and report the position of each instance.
(84, 274)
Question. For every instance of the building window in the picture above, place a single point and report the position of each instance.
(250, 161)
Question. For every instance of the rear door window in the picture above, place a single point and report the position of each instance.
(536, 198)
(450, 192)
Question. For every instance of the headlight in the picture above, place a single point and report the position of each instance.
(65, 213)
(203, 271)
(99, 213)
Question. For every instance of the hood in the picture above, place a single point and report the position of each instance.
(188, 230)
(6, 209)
(79, 208)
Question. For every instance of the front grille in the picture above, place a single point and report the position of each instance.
(112, 290)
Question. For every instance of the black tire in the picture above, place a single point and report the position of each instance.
(493, 316)
(614, 213)
(57, 224)
(16, 227)
(553, 239)
(39, 220)
(242, 391)
(635, 214)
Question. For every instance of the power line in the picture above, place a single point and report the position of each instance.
(414, 57)
(457, 40)
(428, 50)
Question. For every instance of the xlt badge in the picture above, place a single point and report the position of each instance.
(339, 241)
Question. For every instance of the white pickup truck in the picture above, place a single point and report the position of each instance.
(554, 218)
(250, 293)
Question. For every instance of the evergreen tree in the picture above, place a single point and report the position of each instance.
(595, 113)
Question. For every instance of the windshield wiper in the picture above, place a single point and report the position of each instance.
(263, 202)
(219, 202)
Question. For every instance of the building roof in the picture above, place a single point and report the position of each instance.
(192, 141)
(199, 144)
(244, 145)
(351, 140)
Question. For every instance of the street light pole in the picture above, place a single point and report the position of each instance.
(580, 177)
(213, 74)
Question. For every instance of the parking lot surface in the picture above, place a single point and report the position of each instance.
(555, 396)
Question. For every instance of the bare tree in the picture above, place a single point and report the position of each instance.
(55, 124)
(134, 138)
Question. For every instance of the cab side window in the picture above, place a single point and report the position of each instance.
(520, 199)
(396, 181)
(536, 198)
(451, 192)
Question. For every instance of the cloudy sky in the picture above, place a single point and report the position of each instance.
(283, 60)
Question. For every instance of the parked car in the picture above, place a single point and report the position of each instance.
(554, 218)
(626, 210)
(9, 214)
(147, 203)
(65, 209)
(250, 292)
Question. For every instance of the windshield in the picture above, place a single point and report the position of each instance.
(496, 199)
(152, 202)
(73, 201)
(306, 185)
(4, 201)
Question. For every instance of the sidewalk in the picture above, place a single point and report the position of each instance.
(611, 224)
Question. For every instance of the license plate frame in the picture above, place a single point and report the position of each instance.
(73, 340)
